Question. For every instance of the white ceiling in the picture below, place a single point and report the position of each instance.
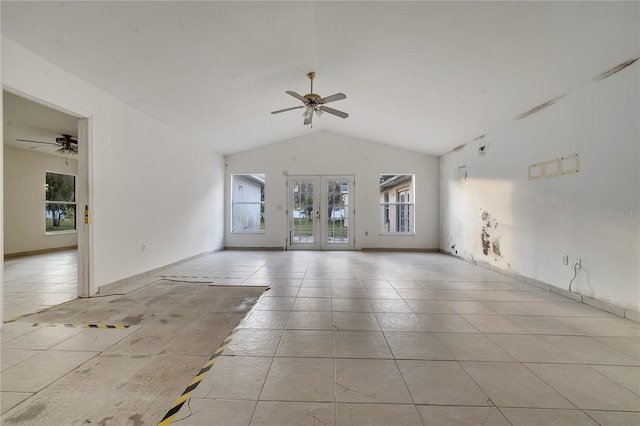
(425, 76)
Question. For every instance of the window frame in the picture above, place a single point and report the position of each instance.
(400, 214)
(256, 177)
(65, 202)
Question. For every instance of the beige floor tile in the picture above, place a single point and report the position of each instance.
(586, 388)
(513, 385)
(494, 324)
(282, 291)
(302, 320)
(377, 414)
(543, 325)
(629, 377)
(627, 345)
(390, 305)
(381, 293)
(429, 307)
(546, 417)
(447, 323)
(300, 379)
(434, 415)
(306, 343)
(199, 412)
(417, 294)
(11, 357)
(529, 348)
(472, 347)
(360, 344)
(441, 383)
(468, 307)
(275, 304)
(361, 321)
(314, 292)
(317, 283)
(400, 322)
(608, 327)
(14, 330)
(234, 378)
(348, 293)
(252, 342)
(615, 418)
(274, 320)
(42, 338)
(350, 305)
(294, 413)
(355, 383)
(443, 294)
(312, 304)
(590, 350)
(409, 345)
(40, 370)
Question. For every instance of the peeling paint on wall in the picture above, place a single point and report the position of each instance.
(490, 237)
(539, 107)
(615, 69)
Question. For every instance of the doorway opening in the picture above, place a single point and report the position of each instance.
(45, 194)
(320, 212)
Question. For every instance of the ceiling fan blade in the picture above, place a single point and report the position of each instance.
(332, 98)
(334, 112)
(47, 143)
(297, 96)
(286, 109)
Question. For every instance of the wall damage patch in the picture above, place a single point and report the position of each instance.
(615, 69)
(539, 107)
(554, 168)
(490, 236)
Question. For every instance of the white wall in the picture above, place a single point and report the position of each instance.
(148, 183)
(24, 178)
(326, 153)
(537, 222)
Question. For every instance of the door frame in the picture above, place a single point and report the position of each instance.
(320, 203)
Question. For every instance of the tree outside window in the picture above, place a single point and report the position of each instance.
(60, 202)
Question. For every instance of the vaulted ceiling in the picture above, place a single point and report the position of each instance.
(426, 76)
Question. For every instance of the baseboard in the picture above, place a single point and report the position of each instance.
(150, 273)
(42, 251)
(587, 300)
(401, 250)
(255, 248)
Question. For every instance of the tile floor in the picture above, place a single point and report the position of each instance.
(33, 283)
(382, 339)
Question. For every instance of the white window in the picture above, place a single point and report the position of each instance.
(247, 203)
(397, 205)
(60, 203)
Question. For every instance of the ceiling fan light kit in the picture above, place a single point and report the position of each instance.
(315, 103)
(68, 146)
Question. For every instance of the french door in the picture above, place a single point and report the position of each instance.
(320, 212)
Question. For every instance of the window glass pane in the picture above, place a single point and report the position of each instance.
(60, 217)
(247, 203)
(60, 187)
(397, 204)
(60, 206)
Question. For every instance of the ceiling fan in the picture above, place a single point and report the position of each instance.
(67, 145)
(314, 103)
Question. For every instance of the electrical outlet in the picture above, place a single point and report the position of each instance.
(144, 246)
(366, 233)
(565, 259)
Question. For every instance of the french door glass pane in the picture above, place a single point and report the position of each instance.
(303, 212)
(338, 212)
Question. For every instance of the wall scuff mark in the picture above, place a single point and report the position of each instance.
(615, 69)
(539, 107)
